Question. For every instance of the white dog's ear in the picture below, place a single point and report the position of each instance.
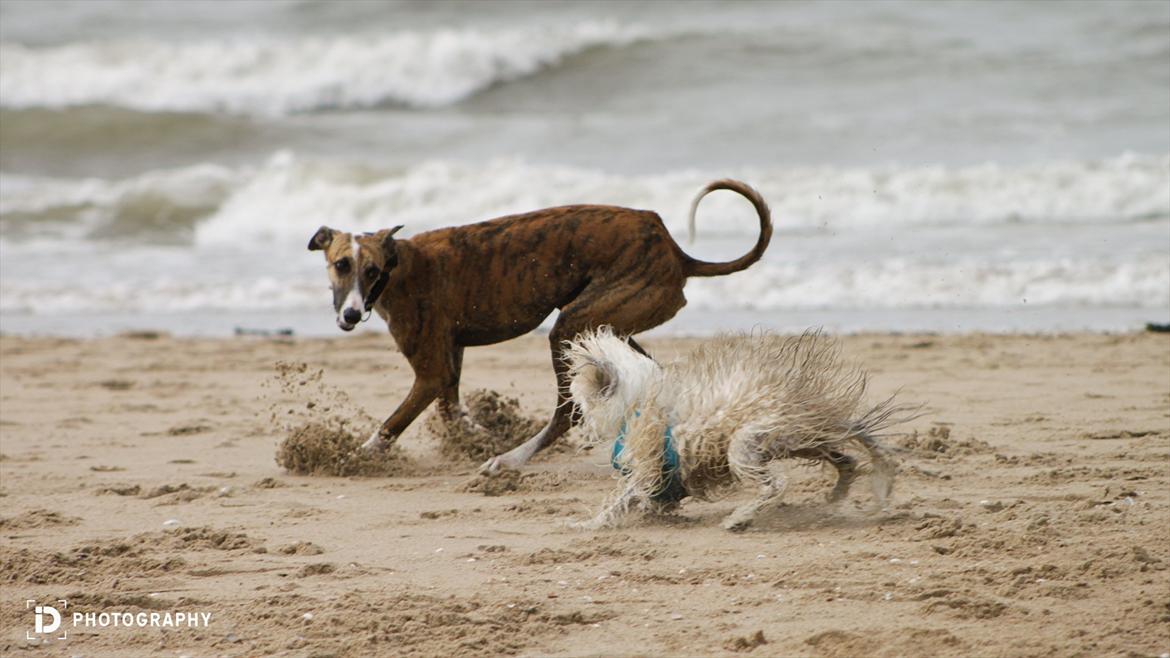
(600, 377)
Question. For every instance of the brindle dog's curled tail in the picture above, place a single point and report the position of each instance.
(703, 268)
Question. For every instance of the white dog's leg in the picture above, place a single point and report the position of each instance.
(744, 515)
(751, 465)
(881, 476)
(612, 513)
(846, 468)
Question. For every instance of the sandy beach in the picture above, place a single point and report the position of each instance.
(138, 475)
(973, 196)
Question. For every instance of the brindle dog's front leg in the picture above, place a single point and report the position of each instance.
(421, 394)
(435, 369)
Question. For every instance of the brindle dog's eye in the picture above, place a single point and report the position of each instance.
(342, 266)
(371, 272)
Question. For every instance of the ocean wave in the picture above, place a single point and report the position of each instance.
(928, 283)
(158, 206)
(286, 197)
(1065, 234)
(811, 284)
(110, 139)
(271, 76)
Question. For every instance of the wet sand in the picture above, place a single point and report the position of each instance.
(1030, 513)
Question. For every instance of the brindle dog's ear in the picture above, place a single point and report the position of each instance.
(321, 239)
(387, 235)
(389, 249)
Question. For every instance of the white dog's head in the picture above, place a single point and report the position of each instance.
(610, 380)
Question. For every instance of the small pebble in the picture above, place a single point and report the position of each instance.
(170, 523)
(308, 616)
(676, 616)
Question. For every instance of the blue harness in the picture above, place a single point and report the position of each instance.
(672, 489)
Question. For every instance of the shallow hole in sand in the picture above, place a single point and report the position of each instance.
(324, 429)
(493, 425)
(329, 448)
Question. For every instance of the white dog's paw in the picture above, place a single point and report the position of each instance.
(737, 523)
(595, 523)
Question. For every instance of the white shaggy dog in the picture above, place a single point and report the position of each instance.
(725, 414)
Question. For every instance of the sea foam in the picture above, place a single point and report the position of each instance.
(286, 196)
(270, 76)
(1080, 234)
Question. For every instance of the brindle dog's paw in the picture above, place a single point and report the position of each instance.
(497, 464)
(374, 443)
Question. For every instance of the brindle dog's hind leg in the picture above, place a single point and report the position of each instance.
(556, 426)
(637, 348)
(628, 307)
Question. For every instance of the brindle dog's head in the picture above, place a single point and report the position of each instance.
(355, 263)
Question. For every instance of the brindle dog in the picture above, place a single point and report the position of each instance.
(448, 289)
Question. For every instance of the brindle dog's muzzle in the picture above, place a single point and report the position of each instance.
(351, 317)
